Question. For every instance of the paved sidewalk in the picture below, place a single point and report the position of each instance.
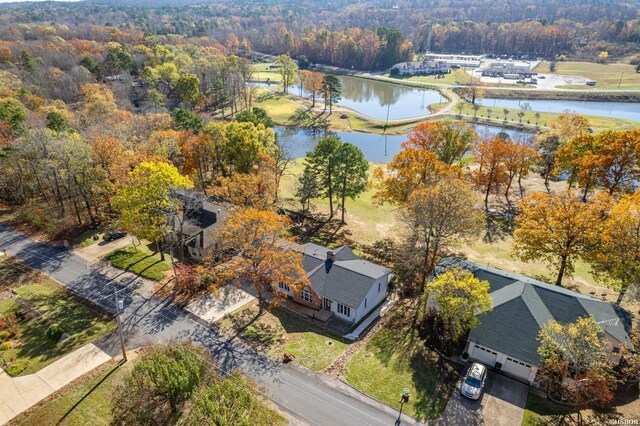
(212, 307)
(17, 394)
(355, 334)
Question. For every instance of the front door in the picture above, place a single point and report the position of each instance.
(326, 303)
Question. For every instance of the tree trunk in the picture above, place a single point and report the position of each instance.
(486, 196)
(563, 267)
(313, 99)
(344, 193)
(330, 191)
(159, 248)
(622, 293)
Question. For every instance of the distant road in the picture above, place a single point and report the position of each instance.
(310, 398)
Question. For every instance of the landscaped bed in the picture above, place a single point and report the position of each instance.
(281, 331)
(40, 321)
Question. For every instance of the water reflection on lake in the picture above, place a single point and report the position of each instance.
(376, 148)
(376, 99)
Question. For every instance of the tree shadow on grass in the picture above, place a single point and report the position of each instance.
(498, 226)
(89, 392)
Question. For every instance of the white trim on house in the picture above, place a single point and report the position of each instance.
(510, 366)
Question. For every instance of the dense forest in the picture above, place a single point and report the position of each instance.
(363, 34)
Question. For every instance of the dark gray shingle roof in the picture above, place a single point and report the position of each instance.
(346, 280)
(522, 305)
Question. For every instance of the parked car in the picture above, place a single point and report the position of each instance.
(541, 77)
(473, 381)
(114, 235)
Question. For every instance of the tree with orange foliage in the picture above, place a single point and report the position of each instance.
(491, 172)
(416, 166)
(257, 189)
(200, 157)
(579, 159)
(518, 160)
(264, 258)
(312, 84)
(617, 254)
(448, 140)
(558, 228)
(619, 160)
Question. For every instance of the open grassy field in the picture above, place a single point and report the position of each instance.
(38, 304)
(367, 223)
(281, 331)
(536, 117)
(262, 72)
(607, 76)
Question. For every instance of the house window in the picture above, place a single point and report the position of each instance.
(378, 287)
(344, 310)
(306, 295)
(283, 286)
(365, 302)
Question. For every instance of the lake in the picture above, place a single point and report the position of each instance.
(376, 148)
(625, 110)
(376, 99)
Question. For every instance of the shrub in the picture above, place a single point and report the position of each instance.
(161, 382)
(6, 346)
(17, 367)
(4, 335)
(54, 332)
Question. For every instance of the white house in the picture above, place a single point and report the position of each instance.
(340, 282)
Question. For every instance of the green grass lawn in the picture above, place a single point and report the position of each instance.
(538, 118)
(84, 402)
(607, 76)
(390, 363)
(262, 72)
(280, 330)
(539, 411)
(37, 294)
(141, 261)
(365, 223)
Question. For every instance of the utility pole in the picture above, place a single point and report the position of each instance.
(620, 81)
(119, 307)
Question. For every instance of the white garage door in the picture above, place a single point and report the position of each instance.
(517, 368)
(484, 355)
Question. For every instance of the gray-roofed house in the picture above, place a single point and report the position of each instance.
(340, 282)
(201, 217)
(506, 338)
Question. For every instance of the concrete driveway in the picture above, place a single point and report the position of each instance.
(502, 404)
(102, 248)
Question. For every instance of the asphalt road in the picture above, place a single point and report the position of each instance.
(147, 318)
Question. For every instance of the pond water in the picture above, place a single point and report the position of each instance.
(377, 99)
(625, 110)
(376, 148)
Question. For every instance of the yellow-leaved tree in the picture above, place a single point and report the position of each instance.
(145, 201)
(264, 258)
(459, 297)
(558, 228)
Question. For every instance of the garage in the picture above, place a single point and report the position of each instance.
(517, 368)
(484, 355)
